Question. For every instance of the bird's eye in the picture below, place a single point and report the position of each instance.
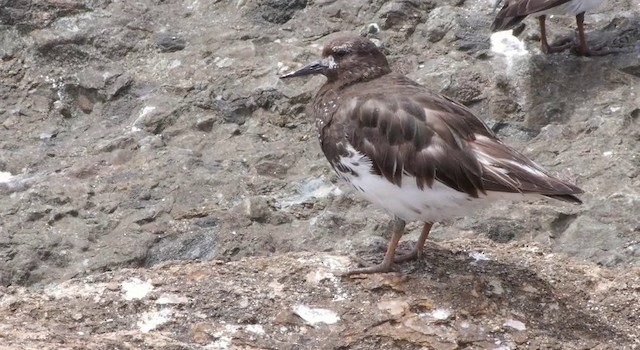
(339, 53)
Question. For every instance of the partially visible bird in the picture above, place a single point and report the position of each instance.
(415, 153)
(514, 11)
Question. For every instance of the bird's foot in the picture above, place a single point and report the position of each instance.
(360, 261)
(556, 47)
(370, 268)
(603, 51)
(581, 49)
(414, 255)
(385, 266)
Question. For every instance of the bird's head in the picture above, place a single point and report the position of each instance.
(347, 59)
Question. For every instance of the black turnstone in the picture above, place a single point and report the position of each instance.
(415, 153)
(514, 11)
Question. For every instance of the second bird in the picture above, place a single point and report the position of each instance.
(514, 11)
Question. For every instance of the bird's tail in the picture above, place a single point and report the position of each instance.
(506, 23)
(502, 20)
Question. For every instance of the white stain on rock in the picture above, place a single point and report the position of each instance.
(507, 45)
(169, 298)
(441, 314)
(311, 189)
(316, 316)
(478, 256)
(515, 324)
(151, 320)
(5, 177)
(136, 288)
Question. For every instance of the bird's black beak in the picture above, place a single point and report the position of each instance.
(317, 67)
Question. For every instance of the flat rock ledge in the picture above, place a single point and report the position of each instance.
(463, 295)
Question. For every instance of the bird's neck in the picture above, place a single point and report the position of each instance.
(350, 77)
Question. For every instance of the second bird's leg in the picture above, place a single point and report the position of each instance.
(546, 48)
(387, 263)
(583, 49)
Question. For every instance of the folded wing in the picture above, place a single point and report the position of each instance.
(514, 11)
(412, 131)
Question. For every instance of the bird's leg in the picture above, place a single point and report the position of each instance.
(583, 49)
(416, 253)
(387, 262)
(546, 48)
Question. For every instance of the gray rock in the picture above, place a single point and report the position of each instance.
(274, 11)
(169, 42)
(154, 153)
(257, 209)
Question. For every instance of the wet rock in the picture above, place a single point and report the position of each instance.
(467, 87)
(274, 11)
(155, 117)
(582, 232)
(11, 43)
(404, 15)
(205, 124)
(439, 23)
(190, 246)
(257, 209)
(169, 42)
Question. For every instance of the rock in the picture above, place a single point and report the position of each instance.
(121, 156)
(274, 11)
(205, 124)
(404, 15)
(257, 209)
(439, 23)
(168, 42)
(176, 299)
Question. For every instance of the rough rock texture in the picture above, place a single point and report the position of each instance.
(521, 297)
(133, 133)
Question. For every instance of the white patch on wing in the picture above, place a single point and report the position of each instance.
(531, 170)
(433, 150)
(409, 202)
(494, 164)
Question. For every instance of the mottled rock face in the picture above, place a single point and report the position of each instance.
(132, 133)
(480, 297)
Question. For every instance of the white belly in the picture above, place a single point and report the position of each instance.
(571, 8)
(409, 202)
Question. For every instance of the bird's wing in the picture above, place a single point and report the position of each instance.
(514, 11)
(412, 131)
(513, 8)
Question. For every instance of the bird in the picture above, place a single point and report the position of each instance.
(415, 153)
(515, 11)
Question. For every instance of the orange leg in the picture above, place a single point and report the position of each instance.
(387, 262)
(546, 48)
(583, 49)
(390, 259)
(416, 253)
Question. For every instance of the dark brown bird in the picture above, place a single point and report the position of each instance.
(514, 11)
(415, 153)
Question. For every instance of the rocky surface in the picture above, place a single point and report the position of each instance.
(467, 294)
(134, 133)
